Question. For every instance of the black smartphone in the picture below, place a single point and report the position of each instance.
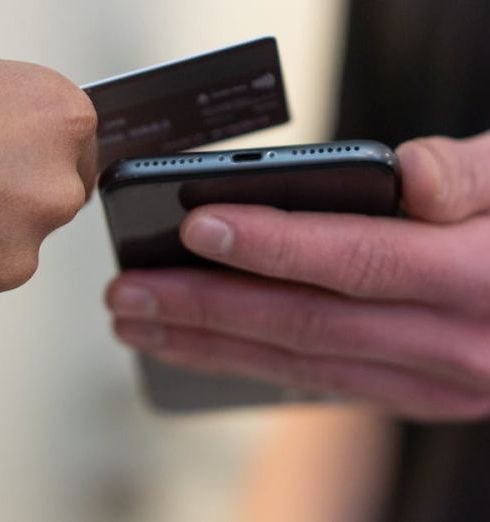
(145, 200)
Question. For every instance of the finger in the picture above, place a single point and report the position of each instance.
(446, 180)
(374, 258)
(308, 321)
(402, 392)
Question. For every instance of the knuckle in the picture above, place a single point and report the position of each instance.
(17, 268)
(44, 97)
(466, 177)
(199, 313)
(369, 262)
(60, 102)
(282, 259)
(307, 324)
(442, 203)
(80, 118)
(74, 113)
(65, 205)
(58, 204)
(198, 309)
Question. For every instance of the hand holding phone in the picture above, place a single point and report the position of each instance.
(393, 312)
(204, 99)
(146, 200)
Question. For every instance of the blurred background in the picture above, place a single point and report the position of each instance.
(77, 442)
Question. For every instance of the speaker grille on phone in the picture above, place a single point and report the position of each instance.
(270, 155)
(179, 161)
(323, 150)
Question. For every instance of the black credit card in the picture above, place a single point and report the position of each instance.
(191, 102)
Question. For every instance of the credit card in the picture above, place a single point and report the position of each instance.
(183, 104)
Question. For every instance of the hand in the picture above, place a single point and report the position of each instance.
(396, 312)
(47, 162)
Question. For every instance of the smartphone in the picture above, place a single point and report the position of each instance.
(145, 200)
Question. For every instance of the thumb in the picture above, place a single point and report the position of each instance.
(444, 179)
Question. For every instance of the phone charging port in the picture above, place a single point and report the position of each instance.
(246, 156)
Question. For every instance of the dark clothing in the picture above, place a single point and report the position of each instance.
(417, 68)
(444, 475)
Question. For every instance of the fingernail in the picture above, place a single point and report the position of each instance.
(142, 335)
(133, 301)
(209, 236)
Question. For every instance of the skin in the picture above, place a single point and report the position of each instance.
(319, 464)
(47, 162)
(389, 311)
